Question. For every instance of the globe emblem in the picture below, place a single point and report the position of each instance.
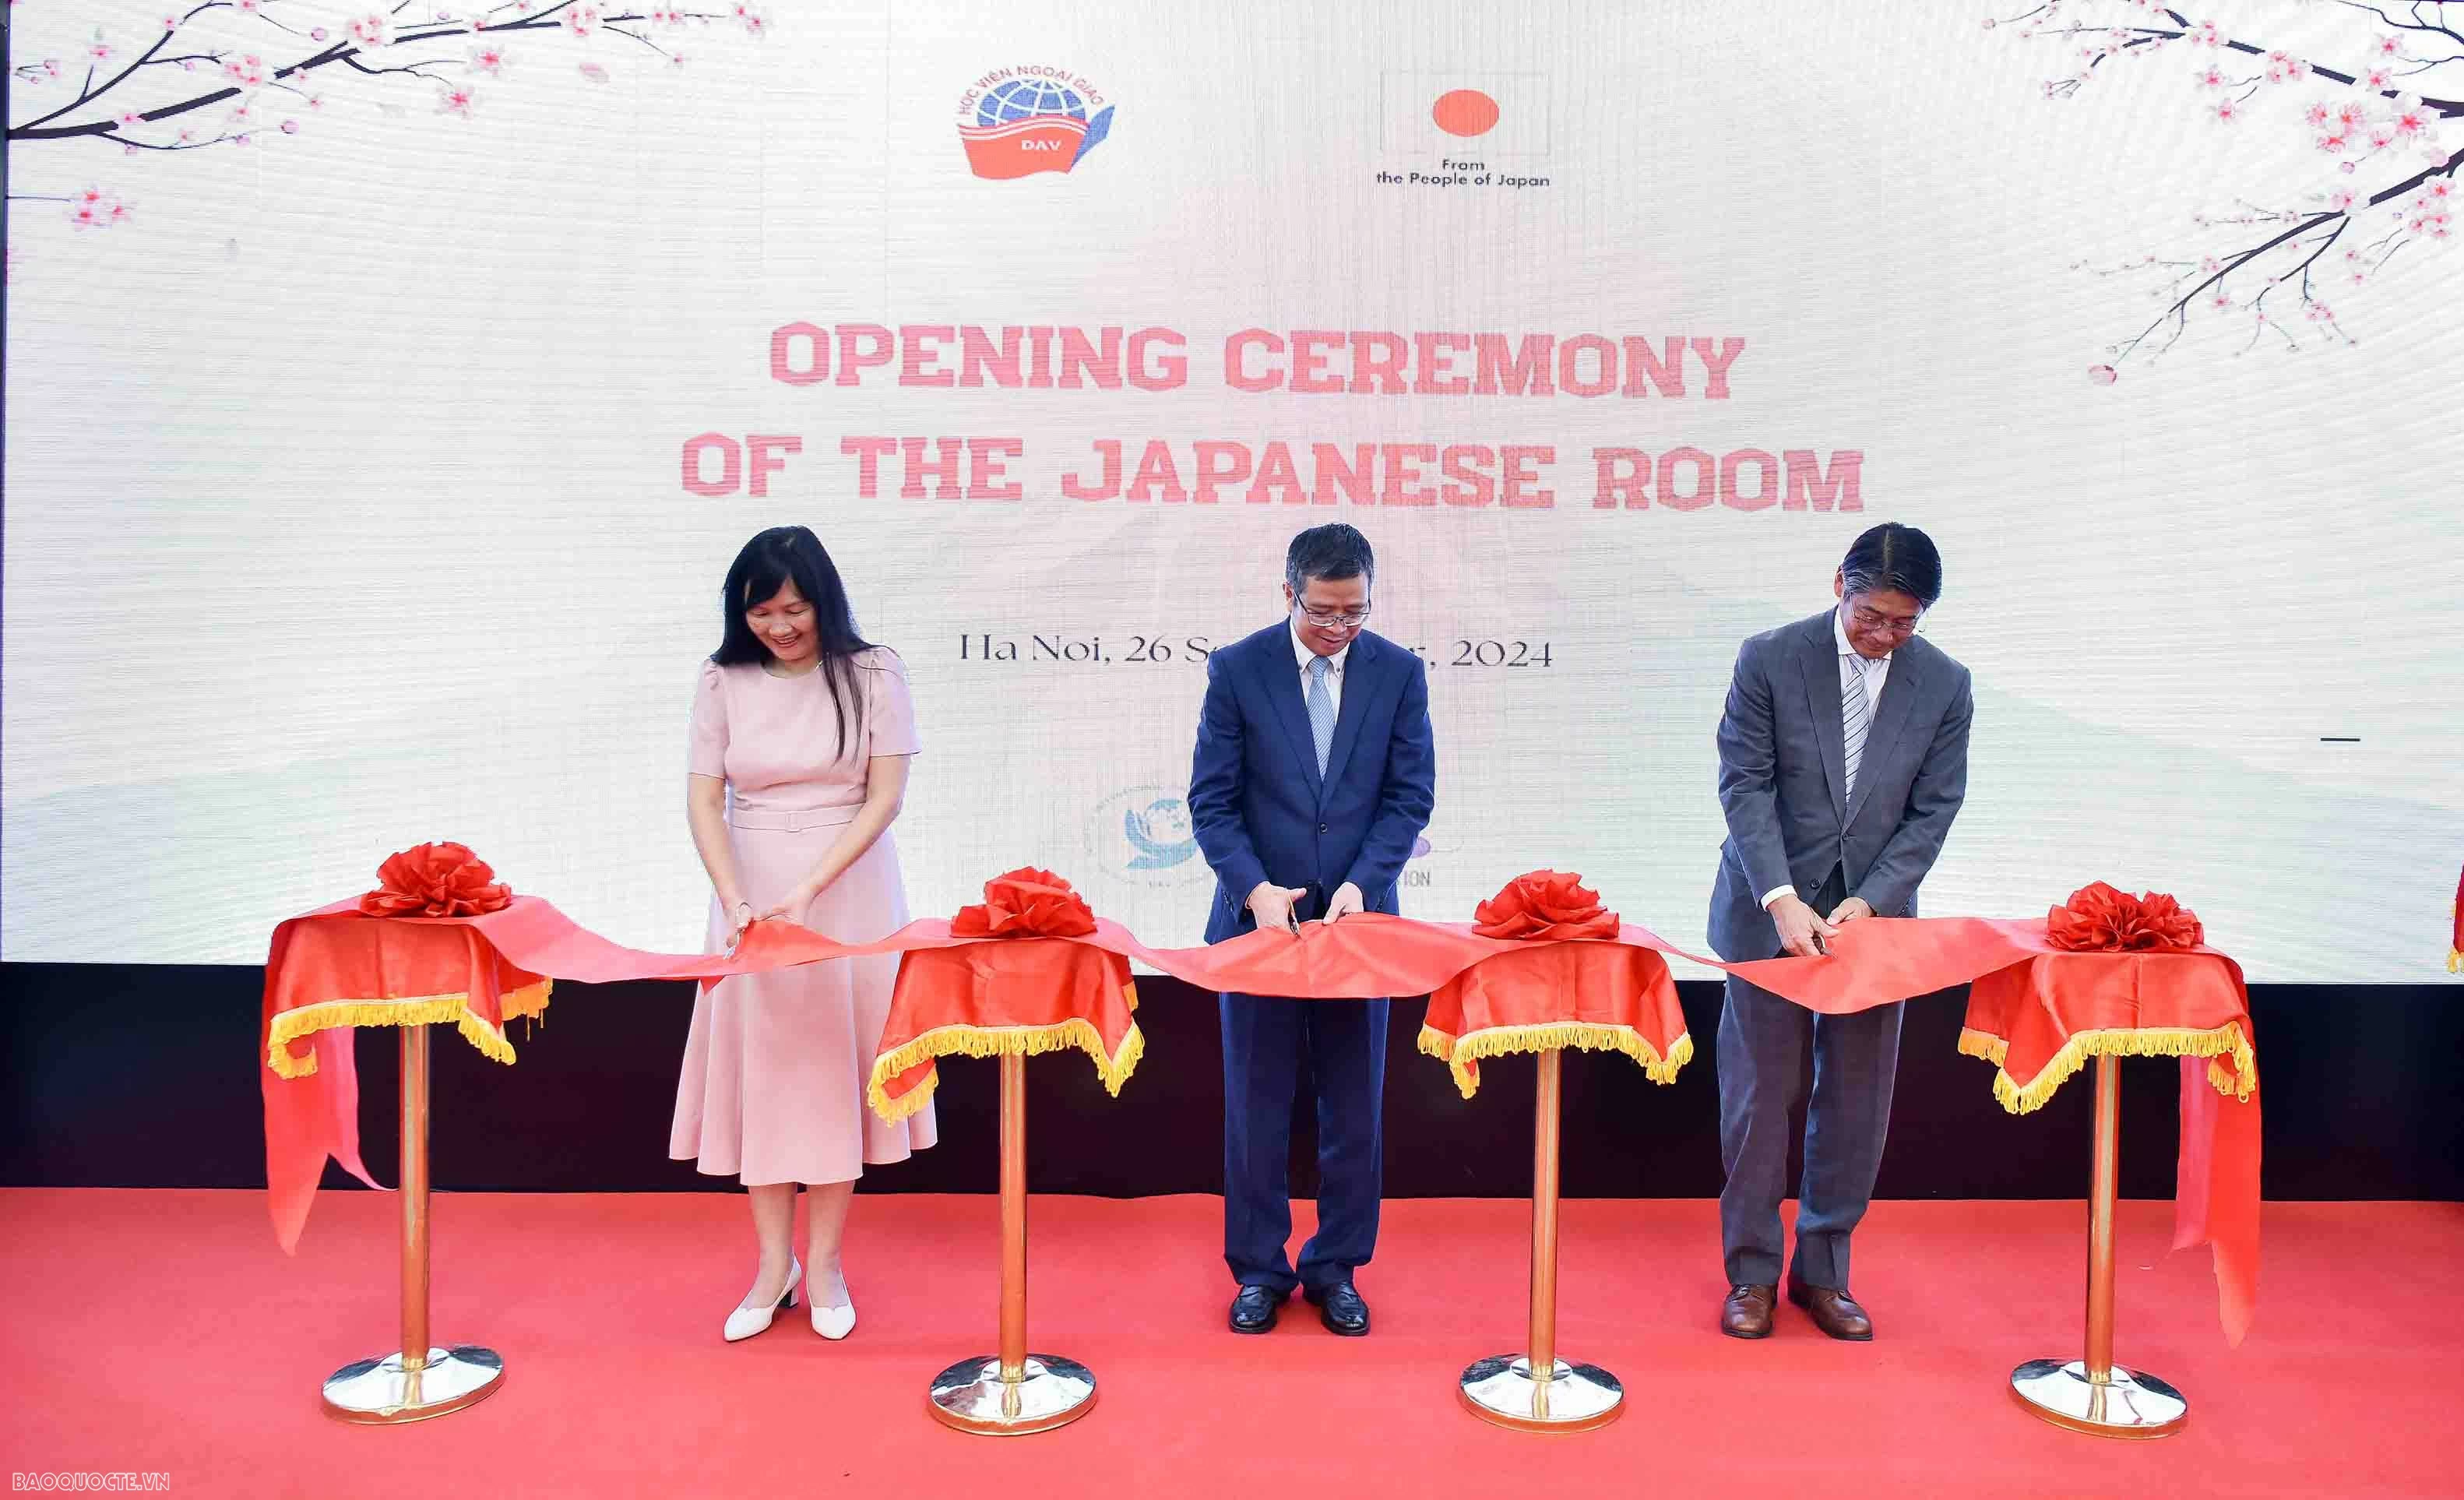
(1023, 98)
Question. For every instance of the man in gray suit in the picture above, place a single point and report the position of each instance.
(1843, 758)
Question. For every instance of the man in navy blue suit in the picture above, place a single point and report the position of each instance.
(1314, 776)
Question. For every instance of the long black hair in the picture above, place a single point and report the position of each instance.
(793, 555)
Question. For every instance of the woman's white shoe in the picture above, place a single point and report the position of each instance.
(745, 1322)
(833, 1323)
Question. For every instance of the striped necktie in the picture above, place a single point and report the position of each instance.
(1321, 709)
(1855, 718)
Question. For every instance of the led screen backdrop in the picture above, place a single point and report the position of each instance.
(386, 400)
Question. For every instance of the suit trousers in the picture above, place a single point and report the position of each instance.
(1762, 1052)
(1265, 1039)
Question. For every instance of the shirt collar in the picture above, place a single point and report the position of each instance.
(1300, 653)
(1839, 633)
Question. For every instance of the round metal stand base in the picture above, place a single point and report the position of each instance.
(972, 1396)
(2130, 1405)
(1577, 1398)
(380, 1391)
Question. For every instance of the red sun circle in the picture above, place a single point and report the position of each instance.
(1465, 112)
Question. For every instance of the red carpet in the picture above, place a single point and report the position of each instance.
(162, 1331)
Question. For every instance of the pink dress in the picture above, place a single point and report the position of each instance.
(775, 1067)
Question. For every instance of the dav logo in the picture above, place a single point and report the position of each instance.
(1018, 121)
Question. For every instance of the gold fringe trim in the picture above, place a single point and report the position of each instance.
(2455, 959)
(1077, 1033)
(421, 1011)
(1460, 1053)
(2232, 1066)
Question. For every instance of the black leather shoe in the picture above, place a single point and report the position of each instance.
(1340, 1309)
(1253, 1308)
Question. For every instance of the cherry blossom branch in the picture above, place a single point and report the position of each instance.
(562, 16)
(2360, 132)
(2416, 24)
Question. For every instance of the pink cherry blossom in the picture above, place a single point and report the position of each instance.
(2382, 135)
(667, 16)
(2378, 81)
(248, 72)
(2341, 201)
(487, 59)
(2211, 77)
(582, 20)
(2205, 35)
(2226, 111)
(2442, 190)
(2209, 265)
(171, 22)
(2410, 119)
(2315, 116)
(132, 117)
(2350, 116)
(248, 6)
(2386, 47)
(2222, 301)
(2102, 374)
(372, 30)
(453, 100)
(98, 49)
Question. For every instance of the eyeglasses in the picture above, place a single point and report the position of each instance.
(1874, 620)
(1339, 620)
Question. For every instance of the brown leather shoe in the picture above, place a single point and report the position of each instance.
(1747, 1312)
(1834, 1312)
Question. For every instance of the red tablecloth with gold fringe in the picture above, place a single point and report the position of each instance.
(1024, 996)
(2039, 1020)
(1580, 993)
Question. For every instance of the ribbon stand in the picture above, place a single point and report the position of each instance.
(2095, 1394)
(418, 1381)
(1012, 1391)
(1536, 1391)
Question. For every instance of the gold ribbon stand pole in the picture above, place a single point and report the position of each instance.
(418, 1381)
(1013, 1390)
(2095, 1394)
(1536, 1391)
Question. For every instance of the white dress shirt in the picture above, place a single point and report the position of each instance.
(1873, 672)
(1333, 677)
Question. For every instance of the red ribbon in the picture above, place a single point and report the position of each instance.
(1027, 903)
(2099, 919)
(1544, 906)
(435, 881)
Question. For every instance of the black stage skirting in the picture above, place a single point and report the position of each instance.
(143, 1076)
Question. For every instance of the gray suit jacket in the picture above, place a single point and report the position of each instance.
(1782, 779)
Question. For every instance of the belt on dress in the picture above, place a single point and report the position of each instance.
(791, 820)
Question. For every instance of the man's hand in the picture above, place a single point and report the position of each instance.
(1345, 901)
(1801, 932)
(1853, 909)
(1271, 905)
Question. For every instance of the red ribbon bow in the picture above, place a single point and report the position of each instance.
(1543, 906)
(2098, 918)
(1026, 903)
(435, 881)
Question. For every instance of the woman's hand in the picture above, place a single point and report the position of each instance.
(791, 908)
(740, 916)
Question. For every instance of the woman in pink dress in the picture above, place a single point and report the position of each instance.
(801, 731)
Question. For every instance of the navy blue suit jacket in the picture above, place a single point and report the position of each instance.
(1256, 804)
